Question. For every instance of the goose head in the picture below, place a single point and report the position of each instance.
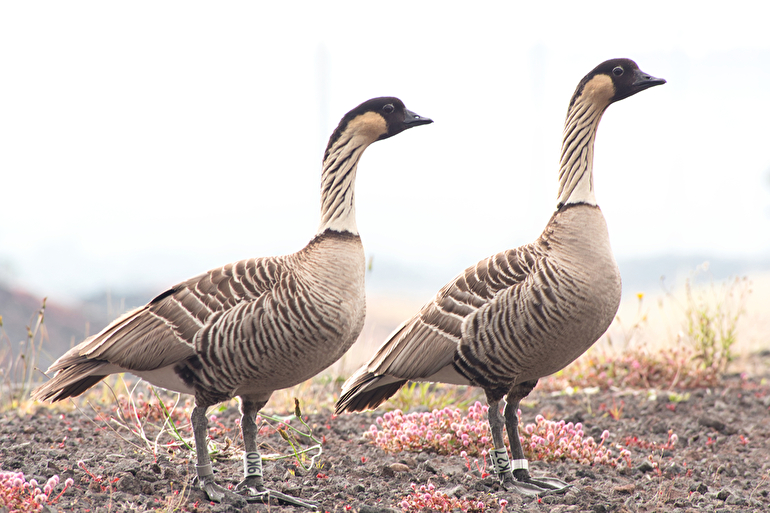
(612, 81)
(376, 119)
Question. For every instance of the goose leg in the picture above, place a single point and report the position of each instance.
(501, 464)
(253, 486)
(520, 466)
(205, 473)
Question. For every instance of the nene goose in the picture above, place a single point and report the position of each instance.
(254, 326)
(524, 313)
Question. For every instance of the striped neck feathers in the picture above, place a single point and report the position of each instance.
(338, 205)
(576, 180)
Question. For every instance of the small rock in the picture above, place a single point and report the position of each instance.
(723, 494)
(359, 488)
(453, 470)
(145, 475)
(571, 498)
(129, 484)
(628, 488)
(458, 491)
(599, 508)
(712, 423)
(726, 470)
(399, 467)
(481, 486)
(645, 466)
(428, 467)
(169, 473)
(585, 473)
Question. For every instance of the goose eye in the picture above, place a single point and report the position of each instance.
(617, 71)
(388, 108)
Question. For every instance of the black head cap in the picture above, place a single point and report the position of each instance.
(393, 118)
(627, 79)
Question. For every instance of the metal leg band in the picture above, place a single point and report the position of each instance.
(518, 464)
(252, 464)
(204, 470)
(500, 461)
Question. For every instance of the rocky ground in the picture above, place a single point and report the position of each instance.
(720, 462)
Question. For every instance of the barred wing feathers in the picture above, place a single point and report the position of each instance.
(426, 345)
(163, 332)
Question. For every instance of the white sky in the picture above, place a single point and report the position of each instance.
(145, 142)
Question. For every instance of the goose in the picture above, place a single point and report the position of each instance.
(524, 313)
(254, 326)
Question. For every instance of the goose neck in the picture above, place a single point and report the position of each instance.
(576, 181)
(338, 205)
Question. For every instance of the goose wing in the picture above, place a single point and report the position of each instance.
(427, 344)
(162, 332)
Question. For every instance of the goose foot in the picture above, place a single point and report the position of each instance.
(253, 491)
(521, 482)
(217, 493)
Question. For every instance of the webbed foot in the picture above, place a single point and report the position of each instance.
(217, 493)
(252, 491)
(521, 482)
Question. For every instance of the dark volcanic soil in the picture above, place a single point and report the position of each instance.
(720, 462)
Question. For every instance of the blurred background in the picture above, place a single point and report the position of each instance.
(143, 143)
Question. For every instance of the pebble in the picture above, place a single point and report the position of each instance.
(399, 467)
(628, 488)
(711, 422)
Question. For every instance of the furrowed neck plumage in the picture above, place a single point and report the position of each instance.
(576, 180)
(338, 178)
